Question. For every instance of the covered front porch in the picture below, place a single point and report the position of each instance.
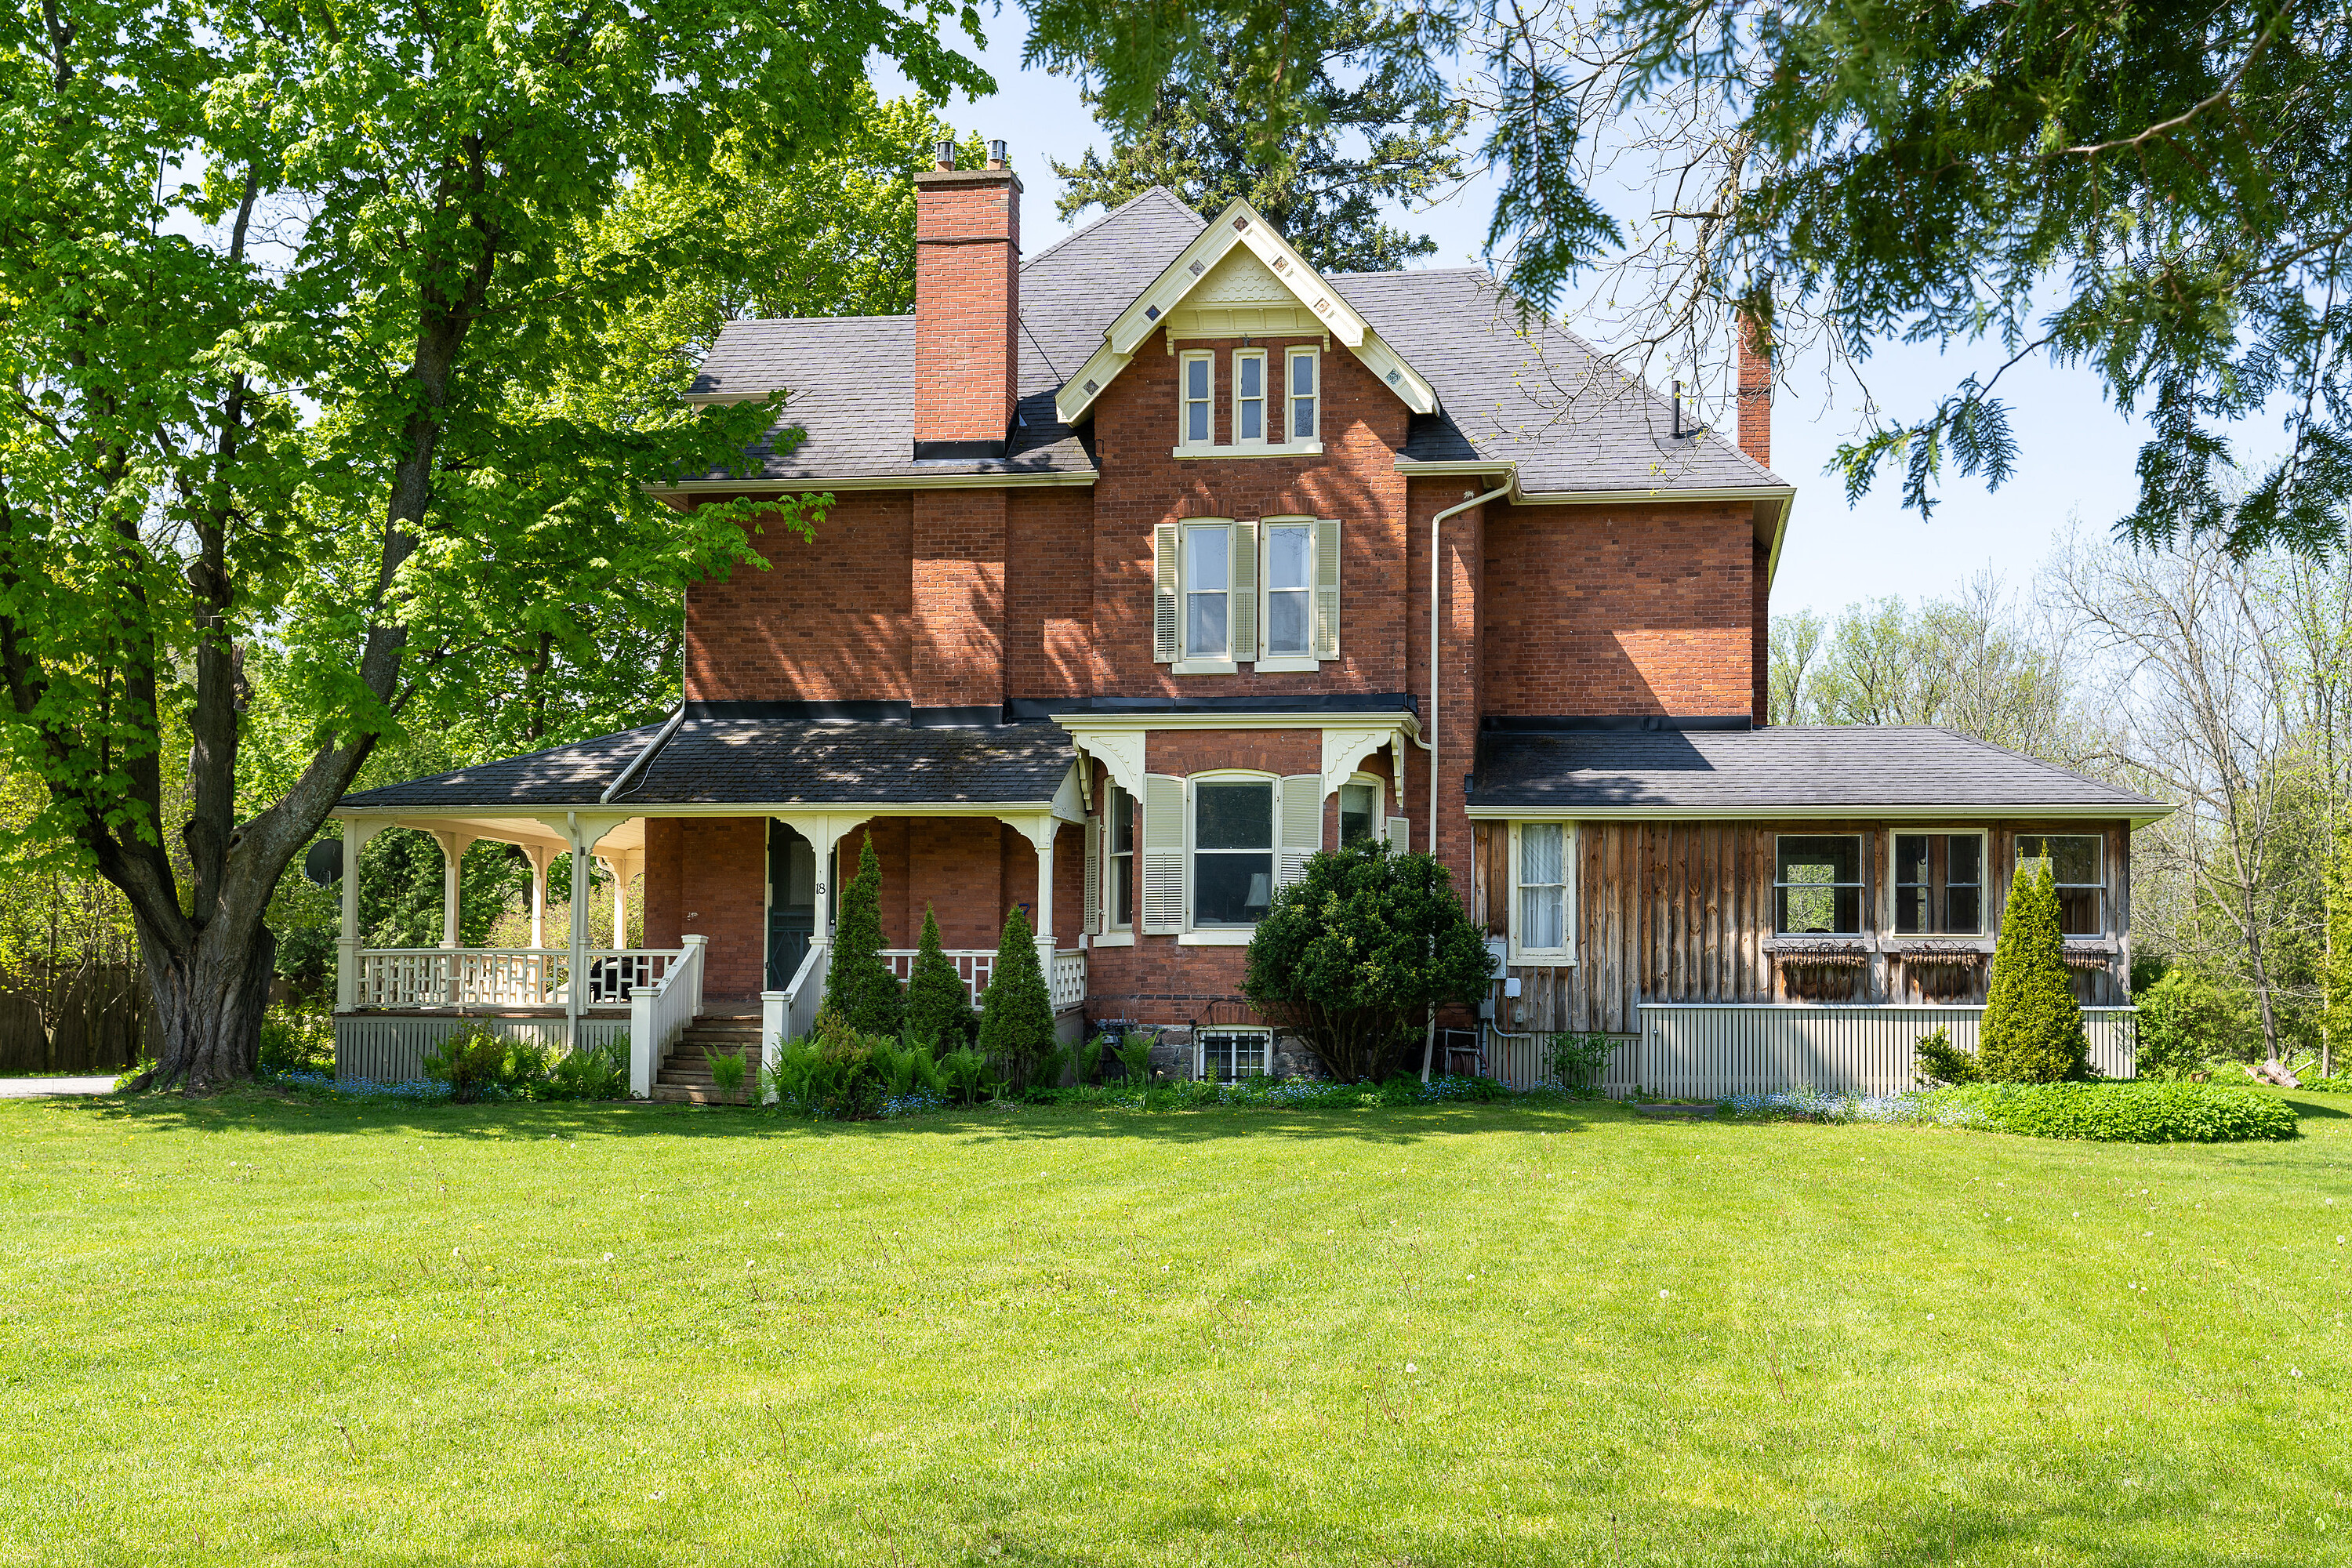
(719, 936)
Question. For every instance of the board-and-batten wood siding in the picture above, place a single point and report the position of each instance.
(1683, 911)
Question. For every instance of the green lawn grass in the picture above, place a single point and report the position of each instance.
(255, 1331)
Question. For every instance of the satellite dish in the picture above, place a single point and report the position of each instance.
(324, 863)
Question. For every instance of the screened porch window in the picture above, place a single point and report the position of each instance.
(1940, 884)
(2073, 860)
(1817, 885)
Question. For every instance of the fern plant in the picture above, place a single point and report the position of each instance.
(727, 1070)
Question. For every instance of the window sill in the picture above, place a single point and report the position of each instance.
(1287, 449)
(1204, 667)
(1289, 665)
(1217, 936)
(1111, 939)
(1530, 958)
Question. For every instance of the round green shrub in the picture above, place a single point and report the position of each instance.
(2135, 1112)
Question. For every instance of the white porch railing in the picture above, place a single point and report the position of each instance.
(1068, 980)
(417, 979)
(974, 965)
(659, 1012)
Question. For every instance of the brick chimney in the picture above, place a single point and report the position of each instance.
(967, 305)
(1755, 394)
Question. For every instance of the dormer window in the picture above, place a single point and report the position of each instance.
(1199, 428)
(1305, 394)
(1249, 398)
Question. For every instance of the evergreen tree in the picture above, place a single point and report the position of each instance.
(2032, 1029)
(857, 984)
(1016, 1012)
(1319, 193)
(939, 1003)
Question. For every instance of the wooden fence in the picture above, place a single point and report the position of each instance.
(1702, 1050)
(83, 1019)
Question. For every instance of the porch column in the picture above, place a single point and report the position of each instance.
(347, 939)
(1039, 829)
(454, 846)
(541, 856)
(581, 831)
(824, 831)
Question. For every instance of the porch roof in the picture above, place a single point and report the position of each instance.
(752, 760)
(1801, 770)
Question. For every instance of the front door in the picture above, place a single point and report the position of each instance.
(792, 902)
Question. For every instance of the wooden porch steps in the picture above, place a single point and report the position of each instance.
(685, 1076)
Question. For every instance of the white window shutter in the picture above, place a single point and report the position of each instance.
(1165, 600)
(1302, 823)
(1163, 854)
(1399, 833)
(1327, 588)
(1092, 920)
(1244, 600)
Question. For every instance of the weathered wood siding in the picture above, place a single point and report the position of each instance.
(1683, 911)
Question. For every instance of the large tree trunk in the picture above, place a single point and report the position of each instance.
(209, 996)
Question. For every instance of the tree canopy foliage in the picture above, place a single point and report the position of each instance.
(1376, 131)
(306, 360)
(2161, 193)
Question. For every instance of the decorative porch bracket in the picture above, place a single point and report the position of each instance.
(1344, 750)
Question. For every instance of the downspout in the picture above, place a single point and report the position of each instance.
(1437, 531)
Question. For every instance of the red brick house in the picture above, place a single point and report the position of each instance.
(1157, 561)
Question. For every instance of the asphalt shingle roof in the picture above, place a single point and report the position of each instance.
(1857, 765)
(1546, 401)
(727, 760)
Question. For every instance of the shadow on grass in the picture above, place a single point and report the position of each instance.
(262, 1111)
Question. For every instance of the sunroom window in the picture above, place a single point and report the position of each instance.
(1817, 885)
(1940, 884)
(2073, 860)
(1233, 851)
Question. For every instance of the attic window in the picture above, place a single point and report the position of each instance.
(1151, 312)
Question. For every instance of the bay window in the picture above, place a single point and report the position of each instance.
(1360, 812)
(1233, 851)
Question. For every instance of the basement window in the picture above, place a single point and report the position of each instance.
(1228, 1055)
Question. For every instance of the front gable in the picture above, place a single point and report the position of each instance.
(1239, 269)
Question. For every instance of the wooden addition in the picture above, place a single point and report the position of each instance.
(1674, 910)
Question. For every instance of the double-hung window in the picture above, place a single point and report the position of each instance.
(1541, 905)
(1120, 828)
(1290, 589)
(1249, 399)
(1208, 590)
(1233, 851)
(1197, 410)
(1938, 884)
(2074, 859)
(1306, 393)
(1360, 812)
(1817, 884)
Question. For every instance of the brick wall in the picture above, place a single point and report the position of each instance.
(1049, 627)
(826, 621)
(1143, 485)
(1640, 608)
(967, 303)
(1759, 637)
(721, 876)
(1755, 399)
(956, 598)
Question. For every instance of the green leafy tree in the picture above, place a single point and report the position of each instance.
(2161, 193)
(1353, 955)
(305, 346)
(1016, 1010)
(939, 1003)
(858, 985)
(1374, 133)
(2031, 1030)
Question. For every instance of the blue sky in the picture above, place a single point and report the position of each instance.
(2078, 452)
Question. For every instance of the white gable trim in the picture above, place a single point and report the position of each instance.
(1239, 224)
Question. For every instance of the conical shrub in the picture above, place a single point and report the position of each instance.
(939, 1003)
(858, 985)
(1016, 1012)
(2032, 1028)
